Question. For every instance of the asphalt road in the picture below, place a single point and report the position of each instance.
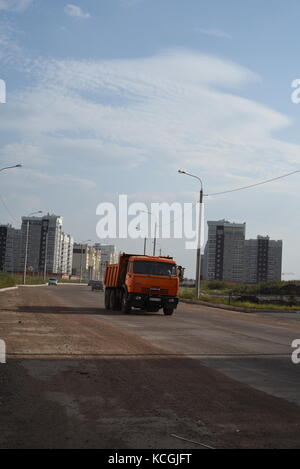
(80, 376)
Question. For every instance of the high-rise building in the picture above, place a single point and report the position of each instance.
(263, 260)
(41, 242)
(10, 244)
(43, 245)
(230, 257)
(66, 258)
(274, 260)
(224, 251)
(31, 243)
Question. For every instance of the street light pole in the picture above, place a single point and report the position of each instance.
(154, 242)
(46, 254)
(11, 167)
(81, 264)
(145, 240)
(198, 261)
(198, 264)
(26, 245)
(26, 251)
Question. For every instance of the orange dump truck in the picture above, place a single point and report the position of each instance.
(145, 282)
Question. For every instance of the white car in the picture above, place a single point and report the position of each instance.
(52, 281)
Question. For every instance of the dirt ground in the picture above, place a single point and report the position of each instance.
(74, 381)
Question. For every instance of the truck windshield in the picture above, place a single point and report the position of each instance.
(154, 268)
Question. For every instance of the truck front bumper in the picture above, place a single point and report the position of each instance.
(143, 301)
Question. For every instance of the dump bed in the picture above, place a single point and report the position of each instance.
(115, 273)
(111, 275)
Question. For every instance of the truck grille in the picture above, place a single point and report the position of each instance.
(155, 291)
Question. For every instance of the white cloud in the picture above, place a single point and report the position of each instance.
(15, 5)
(63, 179)
(76, 11)
(214, 33)
(173, 107)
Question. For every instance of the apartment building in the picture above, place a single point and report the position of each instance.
(86, 262)
(41, 240)
(263, 260)
(224, 251)
(66, 258)
(10, 245)
(230, 257)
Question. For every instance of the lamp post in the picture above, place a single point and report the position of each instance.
(145, 241)
(11, 167)
(46, 254)
(198, 262)
(155, 228)
(26, 245)
(82, 242)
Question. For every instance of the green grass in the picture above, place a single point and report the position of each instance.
(271, 307)
(30, 280)
(6, 281)
(264, 288)
(189, 294)
(65, 280)
(9, 280)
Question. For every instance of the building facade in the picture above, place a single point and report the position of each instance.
(224, 251)
(47, 249)
(66, 258)
(230, 257)
(263, 260)
(41, 241)
(109, 255)
(10, 246)
(86, 262)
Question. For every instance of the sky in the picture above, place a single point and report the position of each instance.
(109, 97)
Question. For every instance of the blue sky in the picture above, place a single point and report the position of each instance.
(113, 96)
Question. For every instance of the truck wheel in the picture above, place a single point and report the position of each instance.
(168, 311)
(126, 306)
(107, 299)
(115, 304)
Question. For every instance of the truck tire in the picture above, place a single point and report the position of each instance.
(125, 306)
(107, 298)
(115, 303)
(168, 311)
